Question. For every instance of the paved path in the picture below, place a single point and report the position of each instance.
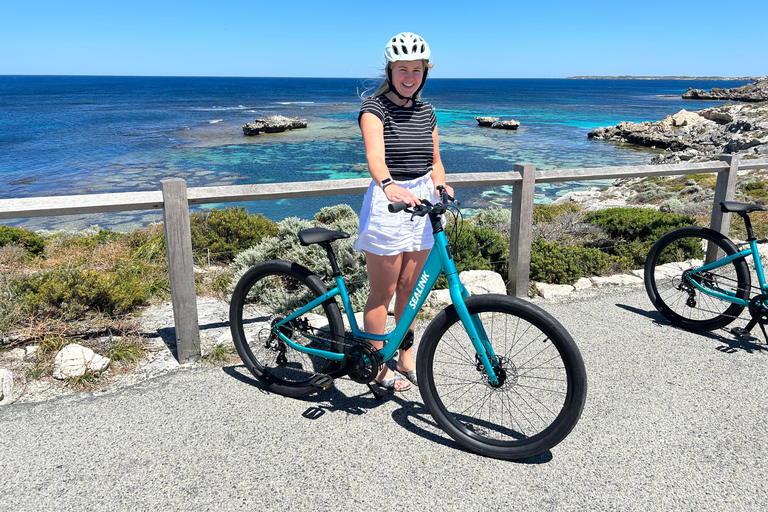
(673, 421)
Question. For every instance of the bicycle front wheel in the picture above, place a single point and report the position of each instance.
(671, 272)
(542, 381)
(266, 294)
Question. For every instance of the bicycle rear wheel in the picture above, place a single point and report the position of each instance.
(671, 271)
(266, 294)
(543, 382)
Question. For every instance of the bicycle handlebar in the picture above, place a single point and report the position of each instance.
(445, 198)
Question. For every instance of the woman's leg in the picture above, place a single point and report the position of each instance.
(412, 263)
(383, 276)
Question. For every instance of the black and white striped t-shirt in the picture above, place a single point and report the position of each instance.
(408, 145)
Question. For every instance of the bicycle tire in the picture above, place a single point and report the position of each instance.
(544, 380)
(267, 292)
(671, 263)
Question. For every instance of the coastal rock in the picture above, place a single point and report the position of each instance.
(486, 121)
(697, 136)
(480, 282)
(510, 124)
(74, 360)
(757, 91)
(553, 291)
(273, 124)
(6, 386)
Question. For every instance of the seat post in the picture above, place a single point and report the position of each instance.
(748, 226)
(332, 259)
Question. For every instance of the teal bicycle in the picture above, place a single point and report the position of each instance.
(498, 374)
(699, 280)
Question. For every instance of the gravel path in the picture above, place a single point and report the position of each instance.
(673, 421)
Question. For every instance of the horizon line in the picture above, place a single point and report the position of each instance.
(572, 77)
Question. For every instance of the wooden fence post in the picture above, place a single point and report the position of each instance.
(520, 234)
(725, 188)
(178, 241)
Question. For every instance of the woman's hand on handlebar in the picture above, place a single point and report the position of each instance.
(448, 190)
(395, 193)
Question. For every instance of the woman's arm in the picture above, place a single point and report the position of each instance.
(373, 137)
(438, 171)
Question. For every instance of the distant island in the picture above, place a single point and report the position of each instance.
(634, 77)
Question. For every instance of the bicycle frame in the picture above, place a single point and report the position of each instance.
(729, 296)
(439, 259)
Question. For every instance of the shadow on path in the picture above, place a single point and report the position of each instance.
(413, 416)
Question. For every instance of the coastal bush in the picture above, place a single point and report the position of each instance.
(220, 234)
(32, 243)
(543, 213)
(476, 248)
(643, 224)
(632, 231)
(285, 245)
(552, 262)
(70, 293)
(495, 218)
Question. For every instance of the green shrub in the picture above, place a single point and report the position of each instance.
(476, 248)
(32, 243)
(221, 234)
(643, 224)
(555, 263)
(543, 213)
(285, 245)
(632, 231)
(72, 292)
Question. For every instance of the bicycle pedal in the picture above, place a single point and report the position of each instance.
(321, 381)
(740, 332)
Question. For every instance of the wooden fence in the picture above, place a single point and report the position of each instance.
(174, 199)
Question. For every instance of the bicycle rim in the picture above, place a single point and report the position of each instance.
(543, 380)
(671, 275)
(266, 294)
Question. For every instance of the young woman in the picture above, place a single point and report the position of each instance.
(401, 146)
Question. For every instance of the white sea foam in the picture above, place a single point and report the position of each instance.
(295, 102)
(215, 121)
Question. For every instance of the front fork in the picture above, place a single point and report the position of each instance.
(475, 330)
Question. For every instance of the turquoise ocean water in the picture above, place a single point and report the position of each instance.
(62, 135)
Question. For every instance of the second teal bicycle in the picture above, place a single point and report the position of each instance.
(498, 374)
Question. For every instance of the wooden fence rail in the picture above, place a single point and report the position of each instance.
(174, 199)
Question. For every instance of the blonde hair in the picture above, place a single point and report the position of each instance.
(384, 86)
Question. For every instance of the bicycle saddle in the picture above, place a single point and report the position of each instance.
(320, 235)
(733, 206)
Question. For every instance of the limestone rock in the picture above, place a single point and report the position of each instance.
(553, 291)
(754, 92)
(74, 360)
(510, 124)
(6, 386)
(273, 124)
(486, 121)
(617, 280)
(479, 282)
(697, 136)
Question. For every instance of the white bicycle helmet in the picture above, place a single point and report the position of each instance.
(406, 46)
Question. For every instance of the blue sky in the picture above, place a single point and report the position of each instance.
(469, 39)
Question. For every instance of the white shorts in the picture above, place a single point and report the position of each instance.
(386, 234)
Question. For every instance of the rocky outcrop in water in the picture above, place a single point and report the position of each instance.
(510, 124)
(486, 121)
(273, 124)
(493, 122)
(757, 91)
(698, 136)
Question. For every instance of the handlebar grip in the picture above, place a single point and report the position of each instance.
(396, 207)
